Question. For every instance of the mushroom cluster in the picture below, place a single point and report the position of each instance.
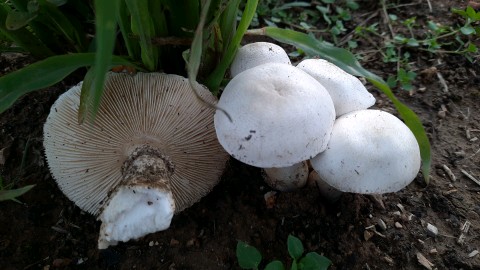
(151, 152)
(286, 117)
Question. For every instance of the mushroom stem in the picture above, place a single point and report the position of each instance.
(143, 203)
(287, 178)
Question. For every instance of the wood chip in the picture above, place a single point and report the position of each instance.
(464, 230)
(400, 206)
(433, 251)
(473, 253)
(367, 235)
(470, 176)
(424, 262)
(449, 173)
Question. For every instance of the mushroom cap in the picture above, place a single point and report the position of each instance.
(152, 109)
(347, 92)
(280, 116)
(255, 54)
(370, 152)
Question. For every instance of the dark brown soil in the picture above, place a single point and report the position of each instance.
(48, 231)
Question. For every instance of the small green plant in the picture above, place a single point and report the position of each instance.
(249, 257)
(412, 36)
(7, 193)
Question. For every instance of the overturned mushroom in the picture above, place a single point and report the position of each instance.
(370, 152)
(255, 54)
(151, 152)
(347, 92)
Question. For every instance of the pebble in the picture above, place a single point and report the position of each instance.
(442, 114)
(150, 244)
(382, 225)
(367, 235)
(398, 225)
(433, 251)
(432, 230)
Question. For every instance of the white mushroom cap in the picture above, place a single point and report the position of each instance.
(153, 109)
(370, 152)
(280, 116)
(287, 178)
(347, 92)
(255, 54)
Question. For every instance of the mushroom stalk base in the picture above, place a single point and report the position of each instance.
(143, 203)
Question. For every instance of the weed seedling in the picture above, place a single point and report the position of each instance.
(249, 257)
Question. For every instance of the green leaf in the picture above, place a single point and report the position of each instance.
(347, 61)
(248, 257)
(472, 48)
(275, 265)
(295, 247)
(22, 37)
(467, 30)
(142, 25)
(215, 78)
(44, 74)
(105, 32)
(12, 194)
(314, 261)
(17, 19)
(50, 14)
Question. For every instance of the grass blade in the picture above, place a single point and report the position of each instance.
(59, 23)
(22, 37)
(215, 78)
(12, 194)
(142, 26)
(105, 32)
(123, 20)
(346, 60)
(44, 74)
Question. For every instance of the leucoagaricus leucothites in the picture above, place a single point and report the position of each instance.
(255, 54)
(281, 116)
(151, 152)
(369, 152)
(347, 92)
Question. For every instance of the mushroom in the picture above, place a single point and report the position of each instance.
(370, 152)
(151, 152)
(281, 116)
(287, 178)
(255, 54)
(327, 192)
(347, 92)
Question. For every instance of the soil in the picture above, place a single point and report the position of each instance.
(47, 231)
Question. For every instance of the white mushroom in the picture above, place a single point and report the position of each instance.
(280, 116)
(287, 178)
(370, 152)
(151, 152)
(255, 54)
(347, 92)
(327, 192)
